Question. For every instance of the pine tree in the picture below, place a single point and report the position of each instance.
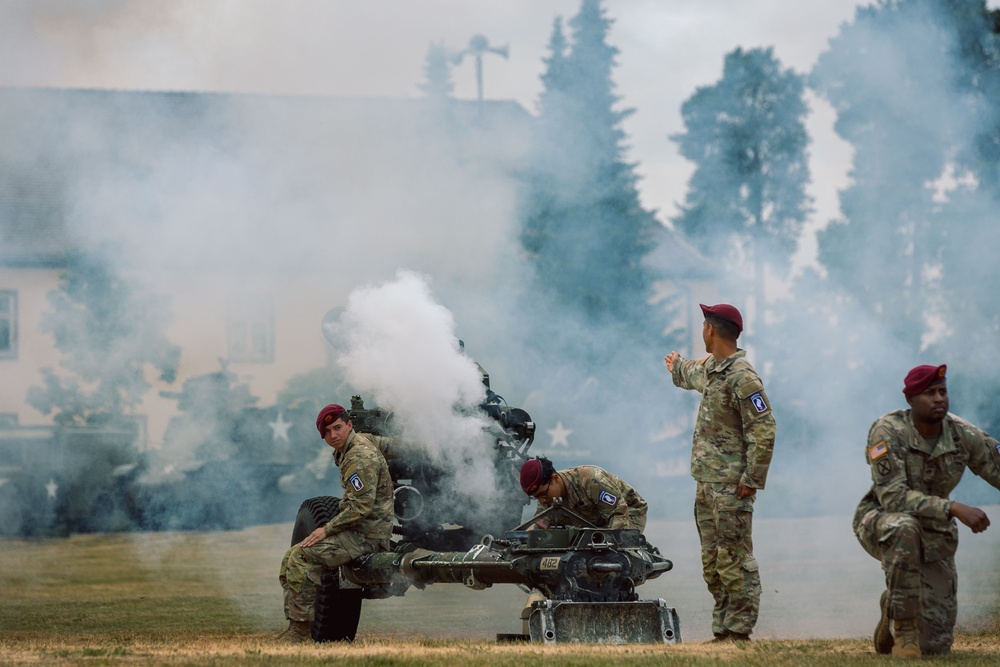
(585, 227)
(109, 332)
(437, 69)
(746, 136)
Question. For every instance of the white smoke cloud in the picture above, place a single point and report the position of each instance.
(401, 349)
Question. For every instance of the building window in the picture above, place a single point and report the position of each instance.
(8, 325)
(251, 329)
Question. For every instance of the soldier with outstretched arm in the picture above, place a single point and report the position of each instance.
(730, 455)
(906, 520)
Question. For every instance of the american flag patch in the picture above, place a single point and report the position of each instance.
(877, 450)
(356, 482)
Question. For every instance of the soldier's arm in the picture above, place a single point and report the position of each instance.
(759, 430)
(360, 480)
(690, 374)
(983, 454)
(885, 455)
(609, 500)
(541, 523)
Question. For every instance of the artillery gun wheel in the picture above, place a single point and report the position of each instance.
(337, 610)
(313, 513)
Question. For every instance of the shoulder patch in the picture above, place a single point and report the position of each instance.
(997, 447)
(608, 498)
(356, 482)
(758, 402)
(881, 464)
(877, 450)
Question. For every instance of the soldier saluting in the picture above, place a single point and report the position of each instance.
(730, 455)
(906, 519)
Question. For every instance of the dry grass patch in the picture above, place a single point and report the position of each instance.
(213, 599)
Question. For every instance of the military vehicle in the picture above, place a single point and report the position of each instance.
(225, 463)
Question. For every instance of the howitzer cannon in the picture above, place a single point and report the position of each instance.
(587, 575)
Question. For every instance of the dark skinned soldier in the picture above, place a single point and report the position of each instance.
(907, 521)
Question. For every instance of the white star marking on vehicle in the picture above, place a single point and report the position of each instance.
(560, 434)
(51, 488)
(280, 427)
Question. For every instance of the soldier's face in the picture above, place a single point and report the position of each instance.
(706, 335)
(931, 405)
(337, 432)
(546, 493)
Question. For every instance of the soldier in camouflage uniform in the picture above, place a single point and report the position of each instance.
(603, 499)
(731, 452)
(362, 525)
(906, 520)
(595, 494)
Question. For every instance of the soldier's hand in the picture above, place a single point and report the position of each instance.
(743, 491)
(973, 517)
(671, 359)
(314, 537)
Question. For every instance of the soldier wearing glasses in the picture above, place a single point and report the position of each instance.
(595, 494)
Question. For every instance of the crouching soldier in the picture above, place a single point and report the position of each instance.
(908, 522)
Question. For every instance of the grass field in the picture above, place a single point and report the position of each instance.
(213, 599)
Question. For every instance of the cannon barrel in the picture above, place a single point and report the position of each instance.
(573, 564)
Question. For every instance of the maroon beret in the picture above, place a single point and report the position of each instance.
(327, 416)
(921, 377)
(531, 476)
(724, 312)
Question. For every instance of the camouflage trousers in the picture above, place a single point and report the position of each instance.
(302, 568)
(724, 525)
(917, 589)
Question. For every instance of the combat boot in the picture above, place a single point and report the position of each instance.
(907, 639)
(883, 631)
(297, 633)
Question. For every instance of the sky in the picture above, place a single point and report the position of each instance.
(667, 49)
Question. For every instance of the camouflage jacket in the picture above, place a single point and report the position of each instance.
(366, 506)
(734, 433)
(912, 476)
(599, 497)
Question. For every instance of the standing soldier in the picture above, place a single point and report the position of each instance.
(363, 523)
(731, 451)
(906, 520)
